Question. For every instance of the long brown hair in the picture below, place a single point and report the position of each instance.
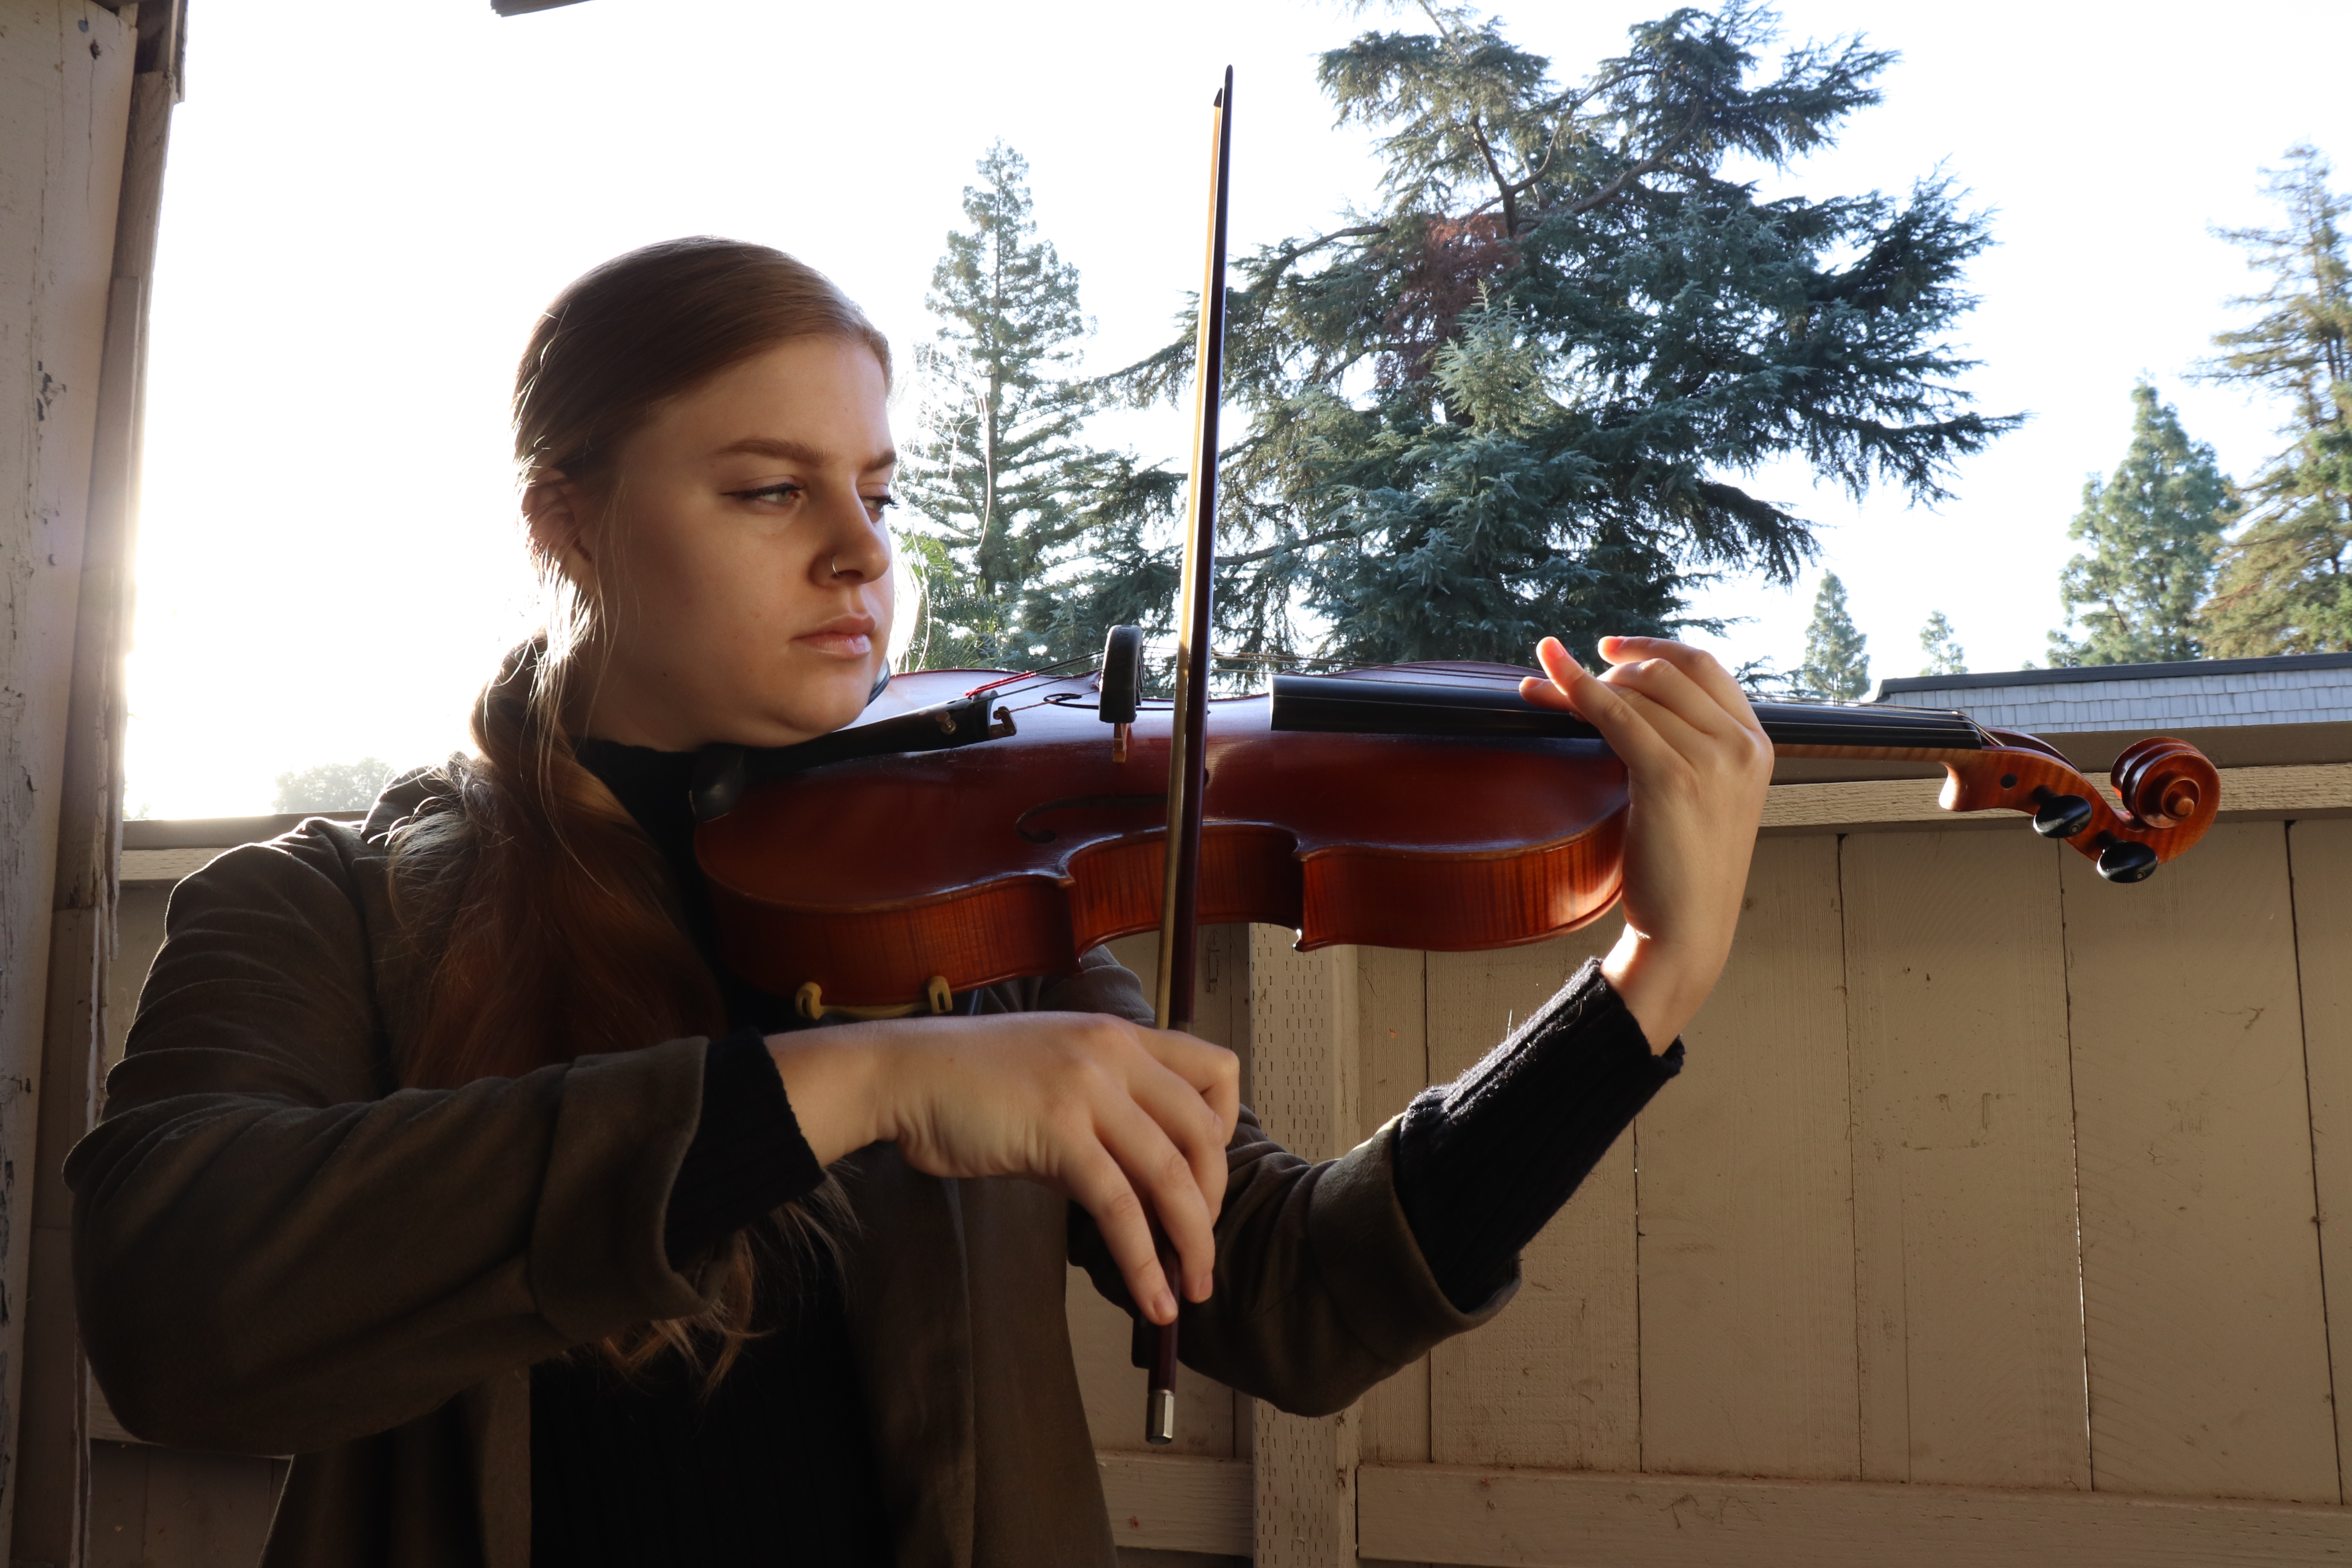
(556, 917)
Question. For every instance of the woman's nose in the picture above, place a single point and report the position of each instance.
(859, 547)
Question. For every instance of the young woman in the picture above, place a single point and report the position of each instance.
(445, 1157)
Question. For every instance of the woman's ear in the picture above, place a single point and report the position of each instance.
(557, 514)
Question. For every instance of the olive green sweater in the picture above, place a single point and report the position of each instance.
(280, 1250)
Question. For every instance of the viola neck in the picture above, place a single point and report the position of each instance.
(1367, 705)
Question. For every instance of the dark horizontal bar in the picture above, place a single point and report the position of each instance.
(1837, 724)
(723, 773)
(220, 832)
(1342, 704)
(1352, 705)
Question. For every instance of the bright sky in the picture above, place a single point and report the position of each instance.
(367, 206)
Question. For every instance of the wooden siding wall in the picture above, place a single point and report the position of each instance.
(1994, 1218)
(1995, 1206)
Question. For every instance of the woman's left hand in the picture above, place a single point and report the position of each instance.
(1697, 764)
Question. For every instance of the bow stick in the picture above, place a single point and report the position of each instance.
(1179, 913)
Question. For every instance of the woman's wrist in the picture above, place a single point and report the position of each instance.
(833, 1083)
(1661, 987)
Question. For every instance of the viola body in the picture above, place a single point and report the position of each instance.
(1008, 858)
(882, 880)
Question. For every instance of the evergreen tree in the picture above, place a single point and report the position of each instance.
(333, 786)
(995, 460)
(1507, 402)
(1942, 646)
(2153, 529)
(2285, 582)
(1837, 664)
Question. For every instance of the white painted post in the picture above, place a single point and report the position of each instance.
(1304, 1050)
(65, 86)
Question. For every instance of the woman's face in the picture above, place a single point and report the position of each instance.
(744, 574)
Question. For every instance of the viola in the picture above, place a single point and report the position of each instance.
(978, 827)
(1409, 806)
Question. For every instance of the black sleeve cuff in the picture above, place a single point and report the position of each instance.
(747, 1157)
(1484, 1163)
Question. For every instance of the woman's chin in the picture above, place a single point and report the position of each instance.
(809, 713)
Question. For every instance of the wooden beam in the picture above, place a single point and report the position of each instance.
(65, 71)
(53, 1480)
(1173, 1502)
(2302, 790)
(1533, 1519)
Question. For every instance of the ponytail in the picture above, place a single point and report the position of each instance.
(562, 939)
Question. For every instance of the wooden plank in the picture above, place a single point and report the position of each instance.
(1821, 807)
(1970, 1352)
(2291, 791)
(164, 867)
(52, 1451)
(118, 1503)
(2207, 1339)
(2320, 859)
(1555, 1379)
(1167, 1503)
(2294, 790)
(105, 1426)
(65, 96)
(1746, 1201)
(1303, 1030)
(1392, 1019)
(1526, 1519)
(138, 937)
(207, 1510)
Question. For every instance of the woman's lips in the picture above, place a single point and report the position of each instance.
(843, 636)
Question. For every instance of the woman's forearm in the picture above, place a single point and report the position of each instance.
(1484, 1162)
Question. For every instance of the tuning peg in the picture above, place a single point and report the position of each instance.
(2063, 817)
(2127, 862)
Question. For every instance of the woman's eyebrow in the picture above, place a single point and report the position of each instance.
(800, 452)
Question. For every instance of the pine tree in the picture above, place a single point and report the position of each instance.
(996, 460)
(2285, 582)
(1942, 646)
(333, 786)
(2153, 529)
(1511, 400)
(1837, 665)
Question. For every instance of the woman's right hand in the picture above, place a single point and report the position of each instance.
(1129, 1121)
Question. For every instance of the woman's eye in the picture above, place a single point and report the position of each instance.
(777, 494)
(878, 505)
